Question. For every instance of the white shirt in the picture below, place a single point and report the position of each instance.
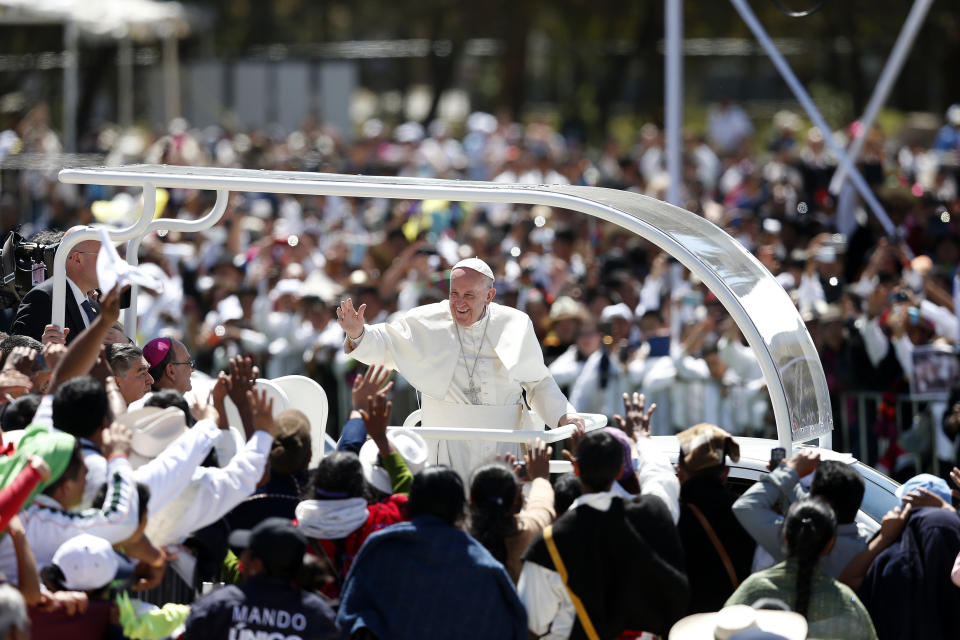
(80, 297)
(587, 395)
(566, 367)
(166, 475)
(550, 611)
(657, 476)
(211, 493)
(48, 525)
(875, 341)
(169, 473)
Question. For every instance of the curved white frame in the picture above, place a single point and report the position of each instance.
(756, 302)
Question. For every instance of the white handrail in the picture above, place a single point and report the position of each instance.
(776, 334)
(502, 435)
(167, 224)
(137, 229)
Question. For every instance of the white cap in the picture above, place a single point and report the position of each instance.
(482, 122)
(953, 115)
(229, 309)
(287, 286)
(612, 311)
(476, 264)
(409, 132)
(411, 447)
(89, 562)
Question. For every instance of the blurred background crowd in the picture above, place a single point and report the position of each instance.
(613, 312)
(568, 93)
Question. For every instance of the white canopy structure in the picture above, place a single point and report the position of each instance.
(757, 303)
(139, 20)
(124, 21)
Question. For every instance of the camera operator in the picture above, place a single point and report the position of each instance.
(34, 313)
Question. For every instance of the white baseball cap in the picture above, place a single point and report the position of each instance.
(476, 264)
(619, 310)
(89, 562)
(411, 447)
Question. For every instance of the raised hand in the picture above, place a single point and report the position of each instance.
(511, 461)
(53, 353)
(376, 416)
(261, 408)
(220, 389)
(351, 320)
(204, 410)
(116, 440)
(371, 383)
(637, 423)
(14, 384)
(575, 439)
(893, 523)
(242, 378)
(21, 359)
(804, 462)
(110, 305)
(101, 368)
(955, 479)
(925, 498)
(537, 458)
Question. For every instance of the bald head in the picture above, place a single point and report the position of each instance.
(82, 261)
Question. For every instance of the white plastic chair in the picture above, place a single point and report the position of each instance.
(306, 395)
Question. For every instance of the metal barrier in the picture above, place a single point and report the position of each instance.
(862, 411)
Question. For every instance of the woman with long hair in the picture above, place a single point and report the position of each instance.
(498, 517)
(832, 609)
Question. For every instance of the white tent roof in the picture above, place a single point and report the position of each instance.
(138, 19)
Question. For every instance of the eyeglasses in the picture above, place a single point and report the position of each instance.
(191, 362)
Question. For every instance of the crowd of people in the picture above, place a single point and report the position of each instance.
(113, 485)
(108, 442)
(613, 313)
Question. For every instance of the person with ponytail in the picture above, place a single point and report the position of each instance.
(832, 609)
(499, 520)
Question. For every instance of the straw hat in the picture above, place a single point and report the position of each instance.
(153, 430)
(411, 447)
(735, 619)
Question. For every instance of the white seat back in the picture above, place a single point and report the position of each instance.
(306, 395)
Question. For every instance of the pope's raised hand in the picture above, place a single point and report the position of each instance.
(351, 320)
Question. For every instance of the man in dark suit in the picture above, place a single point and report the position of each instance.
(34, 313)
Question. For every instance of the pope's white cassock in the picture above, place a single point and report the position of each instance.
(424, 347)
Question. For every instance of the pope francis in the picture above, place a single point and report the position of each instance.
(470, 358)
